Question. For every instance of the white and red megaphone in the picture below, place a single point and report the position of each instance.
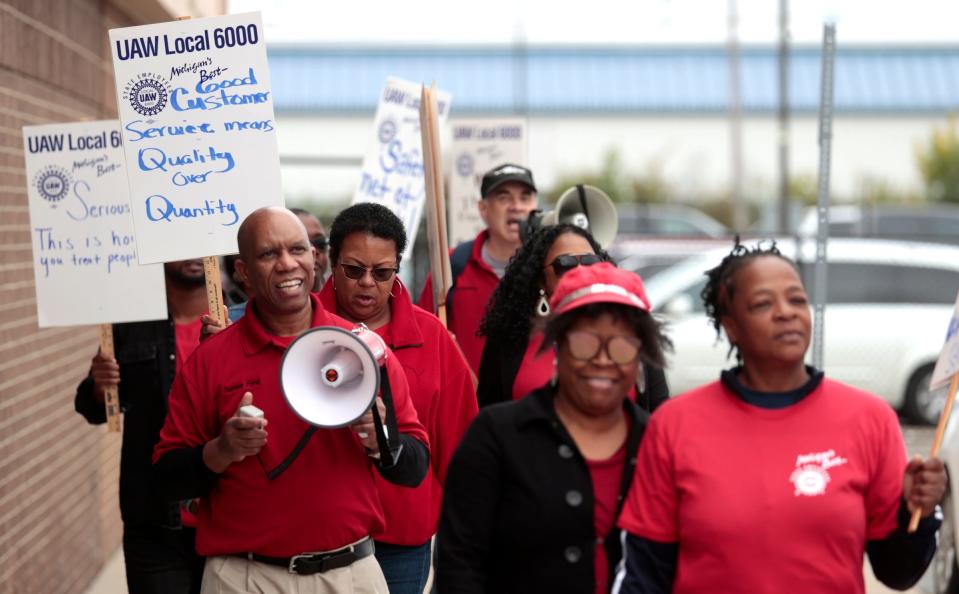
(330, 376)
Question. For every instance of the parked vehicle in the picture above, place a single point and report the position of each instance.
(670, 220)
(925, 222)
(888, 307)
(648, 256)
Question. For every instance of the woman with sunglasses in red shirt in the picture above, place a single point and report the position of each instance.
(513, 364)
(366, 243)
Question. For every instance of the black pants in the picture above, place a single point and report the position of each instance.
(161, 561)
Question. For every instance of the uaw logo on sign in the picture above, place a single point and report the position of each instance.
(52, 183)
(387, 131)
(464, 165)
(147, 93)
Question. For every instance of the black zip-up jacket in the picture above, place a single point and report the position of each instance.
(146, 353)
(517, 512)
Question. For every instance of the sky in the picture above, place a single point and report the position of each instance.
(599, 21)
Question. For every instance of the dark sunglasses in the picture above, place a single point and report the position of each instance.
(563, 264)
(320, 243)
(585, 346)
(380, 275)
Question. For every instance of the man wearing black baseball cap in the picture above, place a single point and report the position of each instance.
(508, 196)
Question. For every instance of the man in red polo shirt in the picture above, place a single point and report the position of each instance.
(289, 511)
(508, 196)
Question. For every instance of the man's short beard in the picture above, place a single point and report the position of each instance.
(187, 281)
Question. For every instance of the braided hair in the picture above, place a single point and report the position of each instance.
(717, 295)
(511, 307)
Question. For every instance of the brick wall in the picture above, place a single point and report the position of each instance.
(59, 517)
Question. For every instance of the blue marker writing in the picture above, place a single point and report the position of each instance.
(159, 208)
(152, 158)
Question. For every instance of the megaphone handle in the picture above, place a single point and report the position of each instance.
(384, 441)
(582, 200)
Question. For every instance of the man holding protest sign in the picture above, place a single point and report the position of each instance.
(295, 510)
(158, 537)
(508, 196)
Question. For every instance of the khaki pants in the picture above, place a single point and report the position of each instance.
(236, 575)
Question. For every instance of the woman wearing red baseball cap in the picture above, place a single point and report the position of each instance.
(513, 364)
(533, 491)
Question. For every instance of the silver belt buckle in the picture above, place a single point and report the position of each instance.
(293, 560)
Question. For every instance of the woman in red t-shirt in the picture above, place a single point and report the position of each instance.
(533, 491)
(774, 478)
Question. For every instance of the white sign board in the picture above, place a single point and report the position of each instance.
(84, 254)
(479, 146)
(199, 133)
(392, 172)
(948, 363)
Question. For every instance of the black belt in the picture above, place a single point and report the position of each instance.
(310, 563)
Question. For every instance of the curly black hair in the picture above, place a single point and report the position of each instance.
(720, 286)
(367, 217)
(648, 329)
(510, 309)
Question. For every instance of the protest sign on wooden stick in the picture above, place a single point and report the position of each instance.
(111, 398)
(945, 371)
(435, 201)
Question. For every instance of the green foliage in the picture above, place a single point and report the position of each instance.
(804, 188)
(938, 162)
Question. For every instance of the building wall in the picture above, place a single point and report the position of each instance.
(59, 516)
(691, 152)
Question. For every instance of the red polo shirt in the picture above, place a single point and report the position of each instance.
(325, 500)
(472, 292)
(442, 393)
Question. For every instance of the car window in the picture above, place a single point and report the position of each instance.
(899, 225)
(943, 226)
(885, 283)
(693, 292)
(677, 227)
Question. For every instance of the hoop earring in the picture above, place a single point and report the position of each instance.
(542, 305)
(393, 285)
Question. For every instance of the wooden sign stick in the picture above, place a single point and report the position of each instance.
(211, 270)
(214, 289)
(435, 201)
(111, 399)
(937, 443)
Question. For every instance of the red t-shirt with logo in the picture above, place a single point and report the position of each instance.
(768, 501)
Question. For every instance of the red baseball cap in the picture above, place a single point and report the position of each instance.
(599, 283)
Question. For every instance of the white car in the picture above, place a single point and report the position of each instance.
(888, 308)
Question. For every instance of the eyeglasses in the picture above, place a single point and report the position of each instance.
(585, 346)
(319, 242)
(380, 275)
(563, 264)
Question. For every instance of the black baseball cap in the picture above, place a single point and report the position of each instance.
(505, 173)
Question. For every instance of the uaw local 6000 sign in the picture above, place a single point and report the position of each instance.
(84, 254)
(392, 172)
(478, 146)
(196, 108)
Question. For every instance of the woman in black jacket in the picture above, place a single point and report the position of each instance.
(513, 364)
(534, 490)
